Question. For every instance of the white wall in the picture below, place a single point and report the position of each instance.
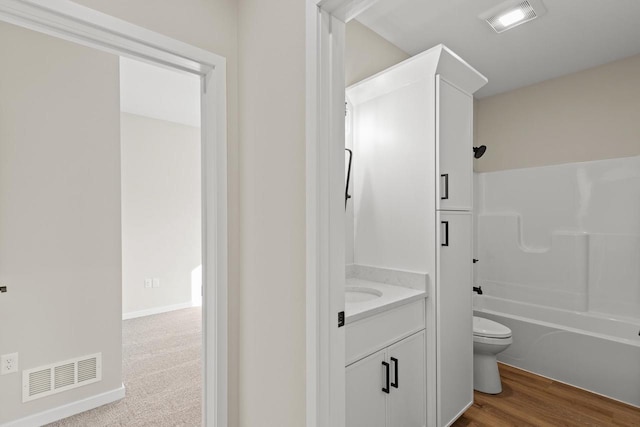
(161, 227)
(573, 217)
(349, 222)
(156, 92)
(391, 230)
(272, 240)
(366, 53)
(60, 250)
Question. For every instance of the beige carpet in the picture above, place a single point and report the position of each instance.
(161, 372)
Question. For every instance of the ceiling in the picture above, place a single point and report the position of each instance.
(151, 91)
(573, 35)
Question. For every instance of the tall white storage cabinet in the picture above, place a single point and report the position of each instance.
(412, 195)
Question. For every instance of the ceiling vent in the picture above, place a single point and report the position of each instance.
(512, 13)
(62, 376)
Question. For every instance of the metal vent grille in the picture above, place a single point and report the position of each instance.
(39, 382)
(524, 6)
(62, 376)
(87, 369)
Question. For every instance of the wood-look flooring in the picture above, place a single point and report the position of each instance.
(531, 400)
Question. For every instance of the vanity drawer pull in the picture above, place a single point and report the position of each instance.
(395, 372)
(386, 368)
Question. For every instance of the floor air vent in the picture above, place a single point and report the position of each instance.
(62, 376)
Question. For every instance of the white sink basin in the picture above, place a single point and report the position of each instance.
(364, 298)
(354, 294)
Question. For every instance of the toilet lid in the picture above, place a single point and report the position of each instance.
(488, 328)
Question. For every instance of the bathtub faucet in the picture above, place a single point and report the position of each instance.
(477, 289)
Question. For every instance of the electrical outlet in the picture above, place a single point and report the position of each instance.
(8, 363)
(156, 282)
(148, 283)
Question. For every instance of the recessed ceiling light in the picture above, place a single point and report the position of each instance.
(511, 17)
(512, 13)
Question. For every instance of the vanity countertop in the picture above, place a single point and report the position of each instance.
(392, 296)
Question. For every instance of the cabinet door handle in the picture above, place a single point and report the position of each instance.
(445, 233)
(386, 368)
(395, 372)
(445, 192)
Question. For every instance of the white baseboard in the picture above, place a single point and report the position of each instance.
(156, 310)
(64, 411)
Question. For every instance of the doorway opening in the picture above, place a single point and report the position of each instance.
(160, 143)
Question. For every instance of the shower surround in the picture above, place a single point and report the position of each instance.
(565, 239)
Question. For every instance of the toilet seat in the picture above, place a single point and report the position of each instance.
(493, 341)
(485, 328)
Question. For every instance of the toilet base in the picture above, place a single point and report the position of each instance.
(486, 377)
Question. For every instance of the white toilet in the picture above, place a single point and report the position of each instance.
(489, 339)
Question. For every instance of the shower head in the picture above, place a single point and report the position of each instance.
(479, 151)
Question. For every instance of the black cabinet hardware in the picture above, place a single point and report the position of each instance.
(475, 260)
(395, 372)
(341, 319)
(3, 289)
(347, 196)
(445, 193)
(386, 367)
(445, 234)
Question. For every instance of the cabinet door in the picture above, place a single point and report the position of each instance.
(365, 400)
(407, 400)
(454, 118)
(454, 316)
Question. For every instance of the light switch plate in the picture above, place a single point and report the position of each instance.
(148, 283)
(156, 282)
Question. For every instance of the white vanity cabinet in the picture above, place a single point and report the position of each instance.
(386, 369)
(366, 403)
(387, 388)
(406, 401)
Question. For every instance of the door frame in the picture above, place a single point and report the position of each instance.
(82, 25)
(325, 269)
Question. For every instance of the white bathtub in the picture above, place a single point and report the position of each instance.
(592, 352)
